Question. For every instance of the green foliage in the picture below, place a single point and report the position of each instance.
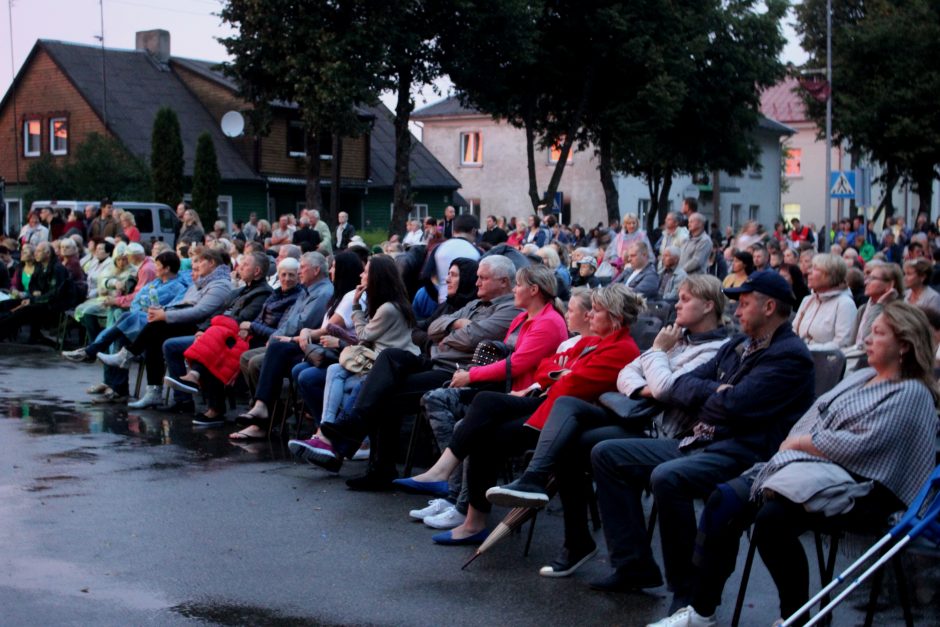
(885, 79)
(166, 157)
(100, 167)
(206, 180)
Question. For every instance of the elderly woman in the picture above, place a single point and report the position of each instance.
(859, 454)
(884, 282)
(574, 426)
(69, 252)
(497, 425)
(917, 274)
(550, 257)
(826, 318)
(631, 233)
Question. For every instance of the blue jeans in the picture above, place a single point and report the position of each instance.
(173, 350)
(338, 380)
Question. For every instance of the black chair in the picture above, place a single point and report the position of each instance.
(664, 310)
(830, 367)
(644, 331)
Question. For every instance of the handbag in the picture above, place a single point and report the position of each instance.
(489, 352)
(320, 356)
(357, 359)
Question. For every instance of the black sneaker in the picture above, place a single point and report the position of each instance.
(202, 420)
(519, 493)
(568, 562)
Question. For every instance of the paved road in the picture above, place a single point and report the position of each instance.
(110, 517)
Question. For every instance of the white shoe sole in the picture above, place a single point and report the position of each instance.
(306, 452)
(362, 455)
(450, 524)
(514, 498)
(547, 571)
(426, 512)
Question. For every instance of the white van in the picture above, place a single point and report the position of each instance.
(155, 221)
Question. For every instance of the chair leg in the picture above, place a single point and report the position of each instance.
(528, 541)
(592, 504)
(742, 589)
(903, 593)
(141, 369)
(413, 442)
(873, 596)
(651, 523)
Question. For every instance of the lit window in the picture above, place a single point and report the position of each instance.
(295, 139)
(471, 148)
(59, 136)
(32, 138)
(794, 165)
(554, 153)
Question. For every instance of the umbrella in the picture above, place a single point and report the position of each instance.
(513, 520)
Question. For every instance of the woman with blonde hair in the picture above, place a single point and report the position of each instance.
(826, 317)
(129, 226)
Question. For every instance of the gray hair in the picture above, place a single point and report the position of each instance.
(833, 266)
(260, 260)
(549, 256)
(673, 250)
(317, 261)
(304, 221)
(68, 248)
(501, 267)
(292, 250)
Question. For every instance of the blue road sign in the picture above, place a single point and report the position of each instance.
(842, 184)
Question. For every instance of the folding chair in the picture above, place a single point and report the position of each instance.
(644, 331)
(830, 368)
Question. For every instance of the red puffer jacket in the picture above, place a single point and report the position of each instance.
(219, 349)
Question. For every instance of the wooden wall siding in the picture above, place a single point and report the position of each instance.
(274, 158)
(218, 100)
(44, 92)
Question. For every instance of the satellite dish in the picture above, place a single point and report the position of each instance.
(233, 124)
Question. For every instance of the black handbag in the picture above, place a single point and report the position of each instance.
(633, 414)
(489, 352)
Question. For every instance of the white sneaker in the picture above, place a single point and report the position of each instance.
(686, 617)
(120, 359)
(435, 507)
(447, 519)
(151, 398)
(362, 455)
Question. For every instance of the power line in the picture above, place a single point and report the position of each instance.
(160, 8)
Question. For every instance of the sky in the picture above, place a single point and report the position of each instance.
(192, 24)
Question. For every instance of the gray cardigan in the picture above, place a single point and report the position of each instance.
(695, 252)
(488, 321)
(202, 300)
(386, 329)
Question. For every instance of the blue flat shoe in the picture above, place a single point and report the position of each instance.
(432, 488)
(447, 538)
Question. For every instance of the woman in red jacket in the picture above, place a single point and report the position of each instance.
(497, 425)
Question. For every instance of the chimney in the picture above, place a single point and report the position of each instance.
(156, 42)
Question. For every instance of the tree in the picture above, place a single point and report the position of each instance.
(322, 57)
(206, 180)
(885, 83)
(697, 108)
(166, 157)
(539, 77)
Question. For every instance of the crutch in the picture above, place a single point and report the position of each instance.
(922, 517)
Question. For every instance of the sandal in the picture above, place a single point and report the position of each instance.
(241, 436)
(248, 419)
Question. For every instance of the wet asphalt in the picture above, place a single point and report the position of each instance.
(110, 516)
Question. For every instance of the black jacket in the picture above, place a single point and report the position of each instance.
(307, 238)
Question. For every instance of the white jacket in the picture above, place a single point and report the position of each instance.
(659, 371)
(825, 321)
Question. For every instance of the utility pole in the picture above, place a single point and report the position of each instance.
(827, 243)
(104, 74)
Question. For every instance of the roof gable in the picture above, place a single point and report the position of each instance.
(138, 87)
(782, 102)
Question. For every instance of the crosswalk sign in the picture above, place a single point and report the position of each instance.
(842, 184)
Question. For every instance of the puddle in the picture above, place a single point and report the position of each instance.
(141, 429)
(236, 614)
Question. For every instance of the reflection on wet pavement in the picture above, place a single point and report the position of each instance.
(224, 613)
(54, 417)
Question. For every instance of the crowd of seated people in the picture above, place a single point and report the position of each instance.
(520, 336)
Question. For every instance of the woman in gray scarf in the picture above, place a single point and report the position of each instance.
(859, 454)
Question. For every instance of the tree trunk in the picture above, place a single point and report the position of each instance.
(314, 196)
(335, 175)
(611, 197)
(530, 160)
(923, 183)
(402, 184)
(890, 178)
(573, 128)
(664, 190)
(654, 185)
(716, 198)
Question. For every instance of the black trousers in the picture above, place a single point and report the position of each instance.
(213, 389)
(150, 341)
(492, 430)
(36, 316)
(778, 525)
